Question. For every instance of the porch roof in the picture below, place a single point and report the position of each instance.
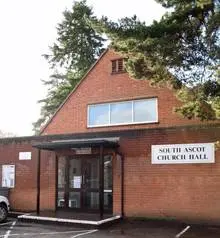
(110, 142)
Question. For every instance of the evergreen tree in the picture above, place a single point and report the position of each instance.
(76, 49)
(4, 134)
(182, 50)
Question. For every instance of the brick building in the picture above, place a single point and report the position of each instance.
(115, 146)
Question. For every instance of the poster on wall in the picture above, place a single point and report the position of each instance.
(8, 176)
(199, 153)
(76, 182)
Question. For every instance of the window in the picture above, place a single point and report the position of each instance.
(121, 112)
(118, 66)
(126, 112)
(99, 115)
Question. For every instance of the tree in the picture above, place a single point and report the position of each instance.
(76, 49)
(4, 134)
(182, 50)
(60, 85)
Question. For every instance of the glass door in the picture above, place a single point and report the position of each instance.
(108, 183)
(78, 183)
(90, 183)
(74, 187)
(69, 183)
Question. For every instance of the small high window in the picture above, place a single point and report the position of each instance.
(118, 66)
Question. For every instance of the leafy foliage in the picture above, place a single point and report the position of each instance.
(76, 49)
(182, 50)
(77, 44)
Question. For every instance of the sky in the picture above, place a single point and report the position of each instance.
(28, 28)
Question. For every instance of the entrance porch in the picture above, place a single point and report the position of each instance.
(84, 179)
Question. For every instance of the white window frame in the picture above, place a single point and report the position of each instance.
(124, 123)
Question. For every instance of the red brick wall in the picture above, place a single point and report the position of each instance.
(101, 86)
(48, 181)
(184, 191)
(23, 196)
(117, 183)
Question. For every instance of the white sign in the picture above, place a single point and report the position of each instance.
(8, 176)
(24, 155)
(81, 151)
(77, 182)
(183, 153)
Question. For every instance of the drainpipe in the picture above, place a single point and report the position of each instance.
(101, 183)
(122, 182)
(56, 181)
(122, 186)
(38, 181)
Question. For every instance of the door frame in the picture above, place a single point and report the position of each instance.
(82, 190)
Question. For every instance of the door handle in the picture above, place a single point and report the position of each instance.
(83, 180)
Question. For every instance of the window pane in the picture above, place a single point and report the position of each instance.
(108, 182)
(108, 172)
(91, 173)
(60, 199)
(108, 200)
(92, 200)
(61, 172)
(99, 115)
(121, 112)
(145, 110)
(75, 174)
(74, 199)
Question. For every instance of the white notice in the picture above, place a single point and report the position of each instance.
(183, 153)
(83, 151)
(24, 155)
(8, 176)
(77, 182)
